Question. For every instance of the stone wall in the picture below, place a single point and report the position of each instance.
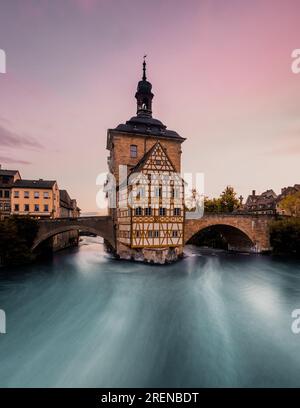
(255, 227)
(65, 240)
(101, 226)
(121, 150)
(150, 255)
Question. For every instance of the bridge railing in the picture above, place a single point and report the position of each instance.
(99, 217)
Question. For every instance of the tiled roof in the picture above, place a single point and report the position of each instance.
(8, 172)
(65, 199)
(265, 201)
(34, 183)
(144, 125)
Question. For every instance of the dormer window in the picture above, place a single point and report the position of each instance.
(133, 151)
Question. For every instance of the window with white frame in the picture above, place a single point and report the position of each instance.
(133, 151)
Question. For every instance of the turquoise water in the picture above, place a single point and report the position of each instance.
(212, 319)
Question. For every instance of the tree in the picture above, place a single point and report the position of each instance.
(291, 204)
(212, 205)
(285, 236)
(228, 200)
(226, 203)
(16, 238)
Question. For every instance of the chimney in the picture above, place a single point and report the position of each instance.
(253, 192)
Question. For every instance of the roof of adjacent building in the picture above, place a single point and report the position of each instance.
(47, 184)
(286, 191)
(65, 200)
(4, 172)
(266, 200)
(64, 196)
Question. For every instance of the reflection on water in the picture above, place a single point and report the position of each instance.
(213, 319)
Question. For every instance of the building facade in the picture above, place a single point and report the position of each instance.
(7, 179)
(148, 214)
(67, 206)
(264, 203)
(269, 202)
(36, 198)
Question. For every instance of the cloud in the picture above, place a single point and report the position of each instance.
(12, 139)
(10, 160)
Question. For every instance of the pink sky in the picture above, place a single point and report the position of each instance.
(221, 75)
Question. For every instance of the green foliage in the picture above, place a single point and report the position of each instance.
(285, 236)
(212, 205)
(16, 237)
(291, 204)
(226, 203)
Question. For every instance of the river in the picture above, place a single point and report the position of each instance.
(84, 319)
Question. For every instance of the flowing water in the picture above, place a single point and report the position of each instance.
(212, 319)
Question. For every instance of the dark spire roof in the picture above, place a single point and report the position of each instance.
(144, 95)
(143, 123)
(144, 69)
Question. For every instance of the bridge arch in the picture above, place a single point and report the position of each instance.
(235, 238)
(101, 226)
(60, 230)
(248, 233)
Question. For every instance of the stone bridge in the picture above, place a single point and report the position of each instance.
(101, 226)
(243, 232)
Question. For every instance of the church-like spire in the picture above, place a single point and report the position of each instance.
(144, 95)
(144, 69)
